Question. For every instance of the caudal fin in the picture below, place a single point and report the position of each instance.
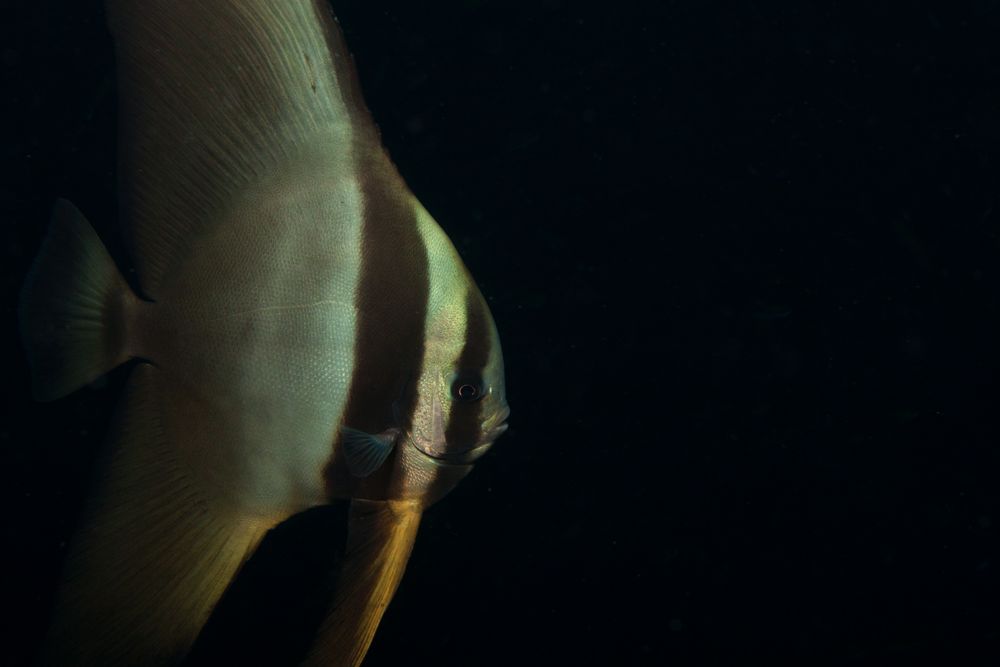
(73, 307)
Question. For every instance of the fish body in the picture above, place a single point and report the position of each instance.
(304, 331)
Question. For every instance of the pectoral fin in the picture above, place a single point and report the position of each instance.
(380, 538)
(154, 552)
(365, 453)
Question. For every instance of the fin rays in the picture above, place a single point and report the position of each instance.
(380, 539)
(154, 551)
(214, 97)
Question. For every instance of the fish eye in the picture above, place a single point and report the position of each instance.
(467, 388)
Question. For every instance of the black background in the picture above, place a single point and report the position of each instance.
(744, 262)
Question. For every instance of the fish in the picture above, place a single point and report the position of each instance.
(299, 331)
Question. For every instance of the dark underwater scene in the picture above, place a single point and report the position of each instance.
(744, 260)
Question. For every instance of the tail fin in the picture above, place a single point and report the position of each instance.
(73, 308)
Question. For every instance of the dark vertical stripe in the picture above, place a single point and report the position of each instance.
(391, 302)
(465, 419)
(393, 287)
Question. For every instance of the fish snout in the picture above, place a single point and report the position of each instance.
(494, 426)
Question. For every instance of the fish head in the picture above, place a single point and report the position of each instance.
(461, 404)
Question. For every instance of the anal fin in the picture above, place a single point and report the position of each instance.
(154, 552)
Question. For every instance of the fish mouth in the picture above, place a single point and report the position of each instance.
(494, 433)
(466, 457)
(492, 428)
(501, 416)
(470, 455)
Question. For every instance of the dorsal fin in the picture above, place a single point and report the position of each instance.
(214, 96)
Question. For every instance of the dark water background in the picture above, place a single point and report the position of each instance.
(744, 261)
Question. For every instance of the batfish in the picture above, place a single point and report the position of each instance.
(300, 330)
